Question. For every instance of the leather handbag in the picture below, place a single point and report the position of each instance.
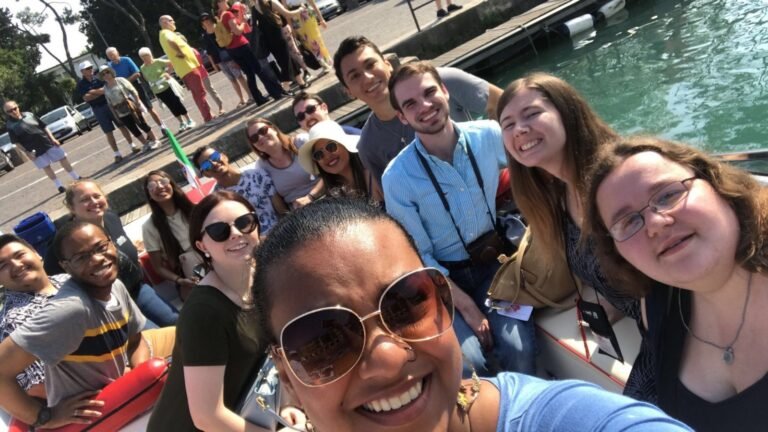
(531, 277)
(260, 404)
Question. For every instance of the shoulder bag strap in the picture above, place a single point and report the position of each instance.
(440, 194)
(479, 178)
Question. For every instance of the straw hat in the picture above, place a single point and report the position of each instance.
(325, 130)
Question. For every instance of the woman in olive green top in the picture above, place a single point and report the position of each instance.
(156, 73)
(217, 345)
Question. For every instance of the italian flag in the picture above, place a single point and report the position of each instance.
(186, 165)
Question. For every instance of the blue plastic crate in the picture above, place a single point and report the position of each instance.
(38, 230)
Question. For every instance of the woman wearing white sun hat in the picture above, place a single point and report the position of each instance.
(332, 155)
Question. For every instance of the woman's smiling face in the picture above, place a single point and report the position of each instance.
(682, 246)
(533, 131)
(351, 266)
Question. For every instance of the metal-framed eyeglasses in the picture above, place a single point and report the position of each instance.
(662, 201)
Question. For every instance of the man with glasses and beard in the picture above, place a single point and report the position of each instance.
(442, 188)
(37, 142)
(85, 335)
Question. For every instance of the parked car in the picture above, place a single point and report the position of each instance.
(85, 109)
(65, 122)
(7, 148)
(329, 8)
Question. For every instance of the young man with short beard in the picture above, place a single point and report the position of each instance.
(85, 335)
(364, 72)
(460, 162)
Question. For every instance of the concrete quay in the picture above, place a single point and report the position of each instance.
(450, 41)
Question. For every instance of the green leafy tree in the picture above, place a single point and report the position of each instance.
(131, 24)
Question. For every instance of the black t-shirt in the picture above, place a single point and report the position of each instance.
(29, 132)
(211, 331)
(129, 270)
(211, 47)
(84, 86)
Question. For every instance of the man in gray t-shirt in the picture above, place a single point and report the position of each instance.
(364, 72)
(85, 334)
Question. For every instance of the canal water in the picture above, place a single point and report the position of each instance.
(694, 71)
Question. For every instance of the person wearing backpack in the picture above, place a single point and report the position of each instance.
(233, 20)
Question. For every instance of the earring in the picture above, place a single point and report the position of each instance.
(207, 255)
(411, 354)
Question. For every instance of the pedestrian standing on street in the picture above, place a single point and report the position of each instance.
(442, 13)
(125, 68)
(126, 106)
(268, 16)
(220, 59)
(184, 63)
(37, 141)
(91, 89)
(156, 73)
(207, 82)
(306, 27)
(242, 52)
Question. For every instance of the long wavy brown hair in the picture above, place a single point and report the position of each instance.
(747, 198)
(539, 195)
(286, 141)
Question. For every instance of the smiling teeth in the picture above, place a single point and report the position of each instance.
(529, 144)
(394, 403)
(239, 247)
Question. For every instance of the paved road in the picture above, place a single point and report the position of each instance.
(27, 190)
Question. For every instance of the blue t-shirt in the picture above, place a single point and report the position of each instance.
(125, 68)
(84, 86)
(531, 404)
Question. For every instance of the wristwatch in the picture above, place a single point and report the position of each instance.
(43, 416)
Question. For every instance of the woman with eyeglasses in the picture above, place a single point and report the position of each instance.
(217, 344)
(253, 183)
(665, 212)
(552, 136)
(332, 154)
(361, 335)
(278, 155)
(87, 202)
(126, 106)
(166, 232)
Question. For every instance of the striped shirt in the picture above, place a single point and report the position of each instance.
(412, 199)
(83, 342)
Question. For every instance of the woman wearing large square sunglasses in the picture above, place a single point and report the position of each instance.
(217, 339)
(361, 334)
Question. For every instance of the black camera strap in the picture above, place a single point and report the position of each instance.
(441, 194)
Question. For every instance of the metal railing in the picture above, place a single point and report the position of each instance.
(415, 8)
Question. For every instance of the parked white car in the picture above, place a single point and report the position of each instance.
(87, 112)
(7, 148)
(65, 121)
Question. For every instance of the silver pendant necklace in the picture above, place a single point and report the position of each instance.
(728, 354)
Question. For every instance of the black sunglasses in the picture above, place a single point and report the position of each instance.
(301, 115)
(331, 147)
(259, 133)
(220, 231)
